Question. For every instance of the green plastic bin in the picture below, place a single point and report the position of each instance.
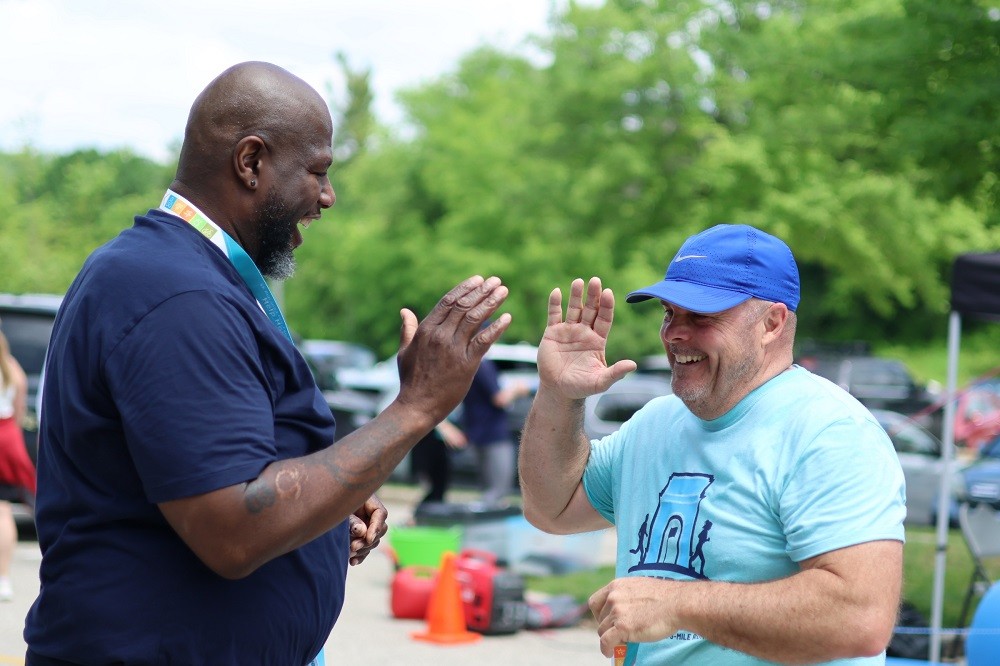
(423, 545)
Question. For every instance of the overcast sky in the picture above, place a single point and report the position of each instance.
(123, 73)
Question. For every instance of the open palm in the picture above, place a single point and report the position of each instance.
(571, 355)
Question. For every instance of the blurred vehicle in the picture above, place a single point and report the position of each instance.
(979, 482)
(328, 357)
(977, 415)
(604, 413)
(516, 363)
(879, 383)
(919, 453)
(657, 365)
(351, 409)
(26, 320)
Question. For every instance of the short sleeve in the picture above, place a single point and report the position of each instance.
(837, 497)
(599, 475)
(193, 397)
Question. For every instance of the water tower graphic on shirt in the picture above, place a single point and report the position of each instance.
(673, 539)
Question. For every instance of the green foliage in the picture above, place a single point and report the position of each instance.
(919, 555)
(863, 132)
(55, 210)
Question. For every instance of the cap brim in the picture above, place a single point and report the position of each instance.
(690, 296)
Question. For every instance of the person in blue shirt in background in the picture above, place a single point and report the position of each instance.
(485, 424)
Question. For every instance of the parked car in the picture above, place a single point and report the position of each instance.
(979, 482)
(328, 357)
(351, 408)
(26, 320)
(604, 413)
(977, 415)
(516, 363)
(879, 383)
(655, 364)
(919, 453)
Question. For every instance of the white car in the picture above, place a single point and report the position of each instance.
(604, 413)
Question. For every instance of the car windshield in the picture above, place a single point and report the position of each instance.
(907, 436)
(878, 372)
(28, 335)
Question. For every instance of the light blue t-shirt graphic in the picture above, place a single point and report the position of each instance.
(796, 469)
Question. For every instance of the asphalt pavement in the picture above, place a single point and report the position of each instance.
(366, 632)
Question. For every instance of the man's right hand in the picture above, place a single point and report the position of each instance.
(439, 356)
(571, 355)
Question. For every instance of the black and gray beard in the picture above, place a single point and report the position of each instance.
(275, 226)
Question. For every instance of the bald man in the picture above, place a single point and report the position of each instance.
(192, 506)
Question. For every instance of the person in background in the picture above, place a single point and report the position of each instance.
(485, 424)
(193, 504)
(17, 472)
(759, 508)
(432, 460)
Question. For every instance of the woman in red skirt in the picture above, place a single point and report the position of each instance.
(17, 473)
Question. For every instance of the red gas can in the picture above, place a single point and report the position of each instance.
(411, 591)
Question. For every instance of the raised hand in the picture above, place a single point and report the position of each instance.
(439, 356)
(571, 355)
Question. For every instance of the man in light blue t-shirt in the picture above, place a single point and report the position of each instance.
(759, 509)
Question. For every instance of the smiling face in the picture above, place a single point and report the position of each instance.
(717, 359)
(298, 195)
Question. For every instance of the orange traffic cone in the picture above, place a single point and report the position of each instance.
(445, 615)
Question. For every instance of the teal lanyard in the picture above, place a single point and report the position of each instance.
(255, 281)
(244, 265)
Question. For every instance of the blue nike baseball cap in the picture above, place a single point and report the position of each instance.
(724, 266)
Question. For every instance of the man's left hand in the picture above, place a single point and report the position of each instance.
(367, 526)
(633, 610)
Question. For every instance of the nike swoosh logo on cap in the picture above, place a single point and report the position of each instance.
(690, 256)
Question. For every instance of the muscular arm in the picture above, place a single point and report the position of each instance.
(553, 454)
(554, 448)
(841, 604)
(234, 530)
(237, 529)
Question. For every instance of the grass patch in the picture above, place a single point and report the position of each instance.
(918, 575)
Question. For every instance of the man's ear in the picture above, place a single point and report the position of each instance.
(774, 322)
(247, 158)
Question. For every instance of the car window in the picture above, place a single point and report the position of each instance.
(507, 365)
(619, 407)
(875, 372)
(28, 335)
(991, 449)
(908, 437)
(828, 369)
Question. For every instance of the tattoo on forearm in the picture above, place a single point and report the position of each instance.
(289, 483)
(261, 493)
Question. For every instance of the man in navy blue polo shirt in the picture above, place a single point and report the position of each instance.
(192, 506)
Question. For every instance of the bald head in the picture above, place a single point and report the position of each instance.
(251, 98)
